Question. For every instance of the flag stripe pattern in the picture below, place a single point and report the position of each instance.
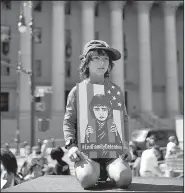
(83, 110)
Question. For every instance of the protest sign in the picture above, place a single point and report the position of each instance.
(100, 120)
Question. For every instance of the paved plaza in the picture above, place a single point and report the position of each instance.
(70, 184)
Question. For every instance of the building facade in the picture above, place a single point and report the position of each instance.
(148, 34)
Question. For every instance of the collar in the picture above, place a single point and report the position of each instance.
(106, 81)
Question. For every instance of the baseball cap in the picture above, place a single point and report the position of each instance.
(99, 44)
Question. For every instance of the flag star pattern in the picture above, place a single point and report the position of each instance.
(115, 96)
(108, 92)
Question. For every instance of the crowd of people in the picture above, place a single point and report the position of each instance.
(36, 163)
(148, 163)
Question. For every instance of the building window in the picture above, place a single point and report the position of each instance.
(68, 68)
(6, 5)
(96, 10)
(5, 39)
(37, 6)
(125, 56)
(38, 68)
(68, 8)
(125, 48)
(178, 59)
(68, 52)
(4, 99)
(126, 100)
(68, 43)
(37, 35)
(96, 35)
(123, 14)
(5, 69)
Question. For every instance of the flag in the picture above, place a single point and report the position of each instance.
(113, 99)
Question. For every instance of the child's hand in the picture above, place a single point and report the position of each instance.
(126, 156)
(89, 131)
(75, 154)
(114, 129)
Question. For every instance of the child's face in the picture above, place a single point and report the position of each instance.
(101, 112)
(99, 64)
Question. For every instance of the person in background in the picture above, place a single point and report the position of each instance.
(39, 143)
(38, 162)
(24, 145)
(27, 150)
(44, 147)
(49, 170)
(8, 168)
(133, 151)
(7, 146)
(172, 147)
(61, 167)
(53, 142)
(150, 141)
(24, 169)
(149, 164)
(135, 161)
(33, 166)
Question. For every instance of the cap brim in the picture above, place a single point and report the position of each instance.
(114, 54)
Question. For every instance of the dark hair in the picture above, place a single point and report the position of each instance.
(156, 147)
(57, 153)
(9, 161)
(100, 100)
(84, 66)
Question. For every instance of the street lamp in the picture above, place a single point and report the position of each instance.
(22, 28)
(18, 69)
(22, 24)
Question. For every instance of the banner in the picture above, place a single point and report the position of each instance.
(100, 120)
(43, 101)
(43, 106)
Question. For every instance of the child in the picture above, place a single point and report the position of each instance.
(61, 167)
(96, 65)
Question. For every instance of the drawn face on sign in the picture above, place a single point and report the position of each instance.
(101, 112)
(100, 107)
